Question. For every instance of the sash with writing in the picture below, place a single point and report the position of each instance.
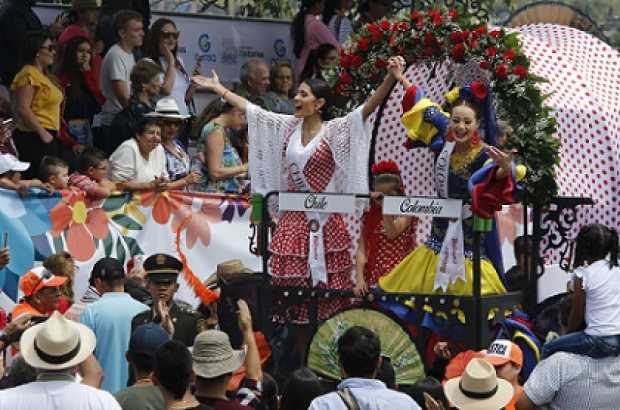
(298, 157)
(451, 264)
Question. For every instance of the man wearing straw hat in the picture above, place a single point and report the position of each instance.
(182, 323)
(55, 348)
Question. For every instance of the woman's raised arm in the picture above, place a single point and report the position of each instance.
(396, 67)
(213, 84)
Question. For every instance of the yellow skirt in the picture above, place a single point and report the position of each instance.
(416, 274)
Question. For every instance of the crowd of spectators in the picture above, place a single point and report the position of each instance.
(101, 104)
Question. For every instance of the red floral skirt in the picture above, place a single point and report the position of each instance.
(289, 263)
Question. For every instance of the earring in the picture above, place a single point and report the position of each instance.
(450, 136)
(475, 138)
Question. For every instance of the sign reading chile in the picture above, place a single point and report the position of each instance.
(279, 47)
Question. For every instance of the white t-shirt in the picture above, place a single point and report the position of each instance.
(57, 395)
(128, 165)
(602, 287)
(116, 66)
(180, 86)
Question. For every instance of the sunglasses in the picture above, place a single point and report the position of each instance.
(170, 35)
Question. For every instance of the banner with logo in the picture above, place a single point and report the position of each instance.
(203, 228)
(222, 44)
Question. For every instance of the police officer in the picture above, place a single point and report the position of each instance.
(182, 322)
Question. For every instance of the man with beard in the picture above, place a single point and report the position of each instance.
(181, 322)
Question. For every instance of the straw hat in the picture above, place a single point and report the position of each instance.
(479, 388)
(214, 356)
(58, 343)
(231, 270)
(167, 108)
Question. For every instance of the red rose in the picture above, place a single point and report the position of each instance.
(356, 61)
(453, 14)
(415, 15)
(495, 33)
(491, 51)
(339, 89)
(385, 25)
(458, 52)
(457, 37)
(345, 60)
(345, 78)
(479, 90)
(428, 51)
(429, 39)
(480, 31)
(376, 37)
(501, 71)
(436, 17)
(403, 26)
(381, 63)
(509, 54)
(362, 44)
(373, 27)
(473, 43)
(485, 65)
(520, 71)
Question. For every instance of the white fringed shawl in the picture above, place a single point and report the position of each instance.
(348, 138)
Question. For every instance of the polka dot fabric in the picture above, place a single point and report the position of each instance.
(584, 88)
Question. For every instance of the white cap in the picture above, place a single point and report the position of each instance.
(9, 162)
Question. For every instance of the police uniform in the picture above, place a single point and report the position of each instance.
(187, 322)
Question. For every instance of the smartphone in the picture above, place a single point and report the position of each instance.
(5, 240)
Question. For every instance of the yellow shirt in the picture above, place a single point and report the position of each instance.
(46, 100)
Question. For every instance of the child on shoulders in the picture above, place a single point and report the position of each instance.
(596, 296)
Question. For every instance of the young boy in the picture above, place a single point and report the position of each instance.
(54, 171)
(11, 177)
(92, 175)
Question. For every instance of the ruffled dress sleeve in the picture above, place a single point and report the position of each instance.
(268, 134)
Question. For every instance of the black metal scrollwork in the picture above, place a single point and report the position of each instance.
(556, 226)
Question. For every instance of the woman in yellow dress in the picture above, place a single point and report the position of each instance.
(443, 264)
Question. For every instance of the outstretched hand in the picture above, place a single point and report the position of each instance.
(210, 83)
(501, 158)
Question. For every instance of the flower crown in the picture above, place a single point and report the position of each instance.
(478, 92)
(385, 167)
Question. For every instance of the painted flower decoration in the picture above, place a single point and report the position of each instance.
(164, 204)
(197, 216)
(234, 204)
(80, 225)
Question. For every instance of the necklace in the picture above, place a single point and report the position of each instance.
(144, 380)
(460, 160)
(184, 404)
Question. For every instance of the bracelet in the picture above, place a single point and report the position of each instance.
(224, 95)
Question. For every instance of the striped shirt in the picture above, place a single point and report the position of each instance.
(569, 381)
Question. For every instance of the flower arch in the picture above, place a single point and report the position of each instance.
(438, 35)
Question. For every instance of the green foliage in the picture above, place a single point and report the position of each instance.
(437, 35)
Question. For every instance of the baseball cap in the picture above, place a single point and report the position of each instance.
(503, 351)
(9, 162)
(108, 269)
(38, 278)
(147, 338)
